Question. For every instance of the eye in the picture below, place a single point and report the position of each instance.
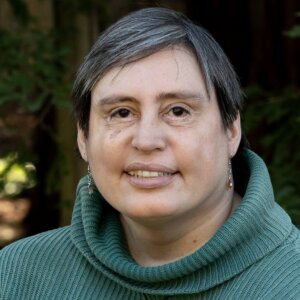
(121, 113)
(179, 111)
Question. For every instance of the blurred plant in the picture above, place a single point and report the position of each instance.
(31, 69)
(33, 80)
(15, 177)
(294, 32)
(274, 117)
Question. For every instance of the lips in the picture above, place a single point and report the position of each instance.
(149, 175)
(138, 169)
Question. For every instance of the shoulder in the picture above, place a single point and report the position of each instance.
(35, 246)
(277, 275)
(31, 245)
(285, 262)
(32, 250)
(28, 261)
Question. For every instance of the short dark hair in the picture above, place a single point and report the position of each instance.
(145, 32)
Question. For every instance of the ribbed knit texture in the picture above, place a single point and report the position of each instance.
(254, 255)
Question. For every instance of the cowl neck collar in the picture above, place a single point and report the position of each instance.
(255, 228)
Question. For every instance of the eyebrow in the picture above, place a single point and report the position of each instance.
(181, 95)
(112, 99)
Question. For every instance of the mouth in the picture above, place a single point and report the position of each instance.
(148, 174)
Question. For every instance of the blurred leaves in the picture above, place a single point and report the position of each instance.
(20, 10)
(32, 69)
(294, 32)
(272, 121)
(15, 175)
(33, 80)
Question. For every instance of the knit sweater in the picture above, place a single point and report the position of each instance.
(255, 254)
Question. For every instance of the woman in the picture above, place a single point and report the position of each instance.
(161, 213)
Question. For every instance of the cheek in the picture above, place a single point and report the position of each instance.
(114, 134)
(106, 149)
(203, 150)
(206, 139)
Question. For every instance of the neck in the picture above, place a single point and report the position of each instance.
(157, 243)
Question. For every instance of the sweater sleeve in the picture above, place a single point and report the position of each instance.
(25, 264)
(9, 266)
(1, 276)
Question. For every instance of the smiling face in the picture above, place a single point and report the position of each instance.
(156, 145)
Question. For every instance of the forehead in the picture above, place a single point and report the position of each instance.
(169, 69)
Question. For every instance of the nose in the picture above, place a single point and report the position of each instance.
(149, 135)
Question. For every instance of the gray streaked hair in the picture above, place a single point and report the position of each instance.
(145, 32)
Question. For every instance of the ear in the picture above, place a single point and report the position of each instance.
(81, 142)
(234, 134)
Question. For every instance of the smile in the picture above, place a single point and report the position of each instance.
(148, 174)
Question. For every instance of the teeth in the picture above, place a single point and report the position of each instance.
(147, 174)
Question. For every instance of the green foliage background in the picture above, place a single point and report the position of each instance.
(272, 121)
(33, 80)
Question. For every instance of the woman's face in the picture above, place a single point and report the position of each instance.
(156, 146)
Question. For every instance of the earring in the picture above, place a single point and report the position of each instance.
(230, 180)
(90, 180)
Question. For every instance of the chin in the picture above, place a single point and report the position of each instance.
(151, 212)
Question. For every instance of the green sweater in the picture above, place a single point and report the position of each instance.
(254, 255)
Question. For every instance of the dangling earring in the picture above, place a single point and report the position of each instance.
(230, 180)
(90, 180)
